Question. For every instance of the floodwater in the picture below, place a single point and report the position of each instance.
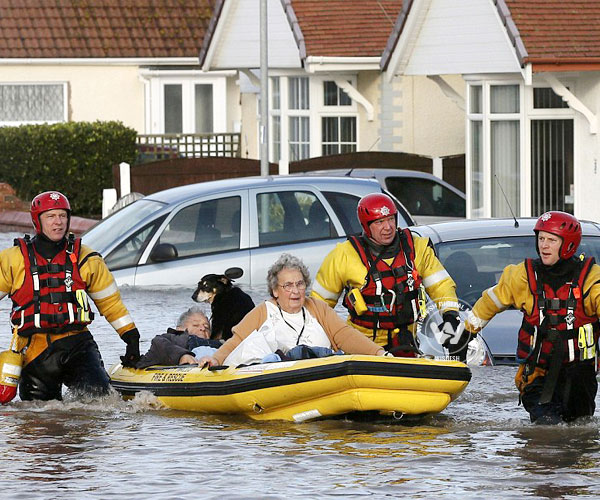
(481, 445)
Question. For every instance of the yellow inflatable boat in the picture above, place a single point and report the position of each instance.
(303, 390)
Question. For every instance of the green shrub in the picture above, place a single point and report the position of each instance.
(75, 158)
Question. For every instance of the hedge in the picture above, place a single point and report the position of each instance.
(75, 158)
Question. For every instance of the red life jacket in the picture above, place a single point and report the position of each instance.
(48, 300)
(391, 292)
(556, 319)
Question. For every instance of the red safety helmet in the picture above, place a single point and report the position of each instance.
(50, 200)
(564, 225)
(375, 206)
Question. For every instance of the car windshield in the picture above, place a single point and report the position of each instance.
(102, 234)
(478, 263)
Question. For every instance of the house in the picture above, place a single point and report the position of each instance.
(188, 67)
(135, 61)
(327, 93)
(531, 87)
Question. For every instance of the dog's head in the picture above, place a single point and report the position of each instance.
(210, 286)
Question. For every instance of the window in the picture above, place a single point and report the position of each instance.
(311, 116)
(32, 103)
(426, 197)
(552, 151)
(299, 121)
(207, 227)
(344, 205)
(495, 149)
(335, 96)
(291, 216)
(338, 134)
(185, 102)
(477, 264)
(128, 253)
(202, 113)
(503, 119)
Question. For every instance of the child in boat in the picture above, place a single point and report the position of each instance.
(185, 344)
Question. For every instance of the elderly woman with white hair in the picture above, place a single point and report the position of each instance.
(289, 319)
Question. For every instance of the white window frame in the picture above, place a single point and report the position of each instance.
(316, 111)
(65, 103)
(526, 115)
(486, 117)
(155, 103)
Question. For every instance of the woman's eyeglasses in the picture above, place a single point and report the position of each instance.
(289, 286)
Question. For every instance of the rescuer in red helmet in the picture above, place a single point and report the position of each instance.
(559, 296)
(384, 273)
(50, 278)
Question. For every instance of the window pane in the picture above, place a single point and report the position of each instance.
(207, 227)
(344, 99)
(476, 169)
(426, 197)
(299, 132)
(348, 129)
(505, 168)
(478, 264)
(298, 93)
(128, 253)
(551, 166)
(276, 138)
(546, 98)
(330, 131)
(31, 103)
(276, 93)
(344, 205)
(204, 108)
(173, 109)
(504, 98)
(338, 134)
(476, 99)
(290, 216)
(330, 94)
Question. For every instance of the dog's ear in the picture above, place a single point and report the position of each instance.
(225, 280)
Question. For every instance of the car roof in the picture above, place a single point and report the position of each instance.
(488, 228)
(183, 193)
(382, 173)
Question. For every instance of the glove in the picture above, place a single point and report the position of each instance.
(456, 338)
(132, 352)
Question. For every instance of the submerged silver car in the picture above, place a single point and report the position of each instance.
(475, 252)
(176, 236)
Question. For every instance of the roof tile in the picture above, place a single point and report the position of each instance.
(102, 28)
(346, 28)
(563, 30)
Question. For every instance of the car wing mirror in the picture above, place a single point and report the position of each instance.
(234, 273)
(163, 252)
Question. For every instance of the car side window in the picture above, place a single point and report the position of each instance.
(291, 216)
(344, 205)
(128, 253)
(590, 247)
(426, 197)
(477, 264)
(206, 227)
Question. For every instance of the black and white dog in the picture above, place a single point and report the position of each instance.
(228, 303)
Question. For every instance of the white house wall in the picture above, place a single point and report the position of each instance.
(238, 43)
(95, 92)
(587, 150)
(463, 36)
